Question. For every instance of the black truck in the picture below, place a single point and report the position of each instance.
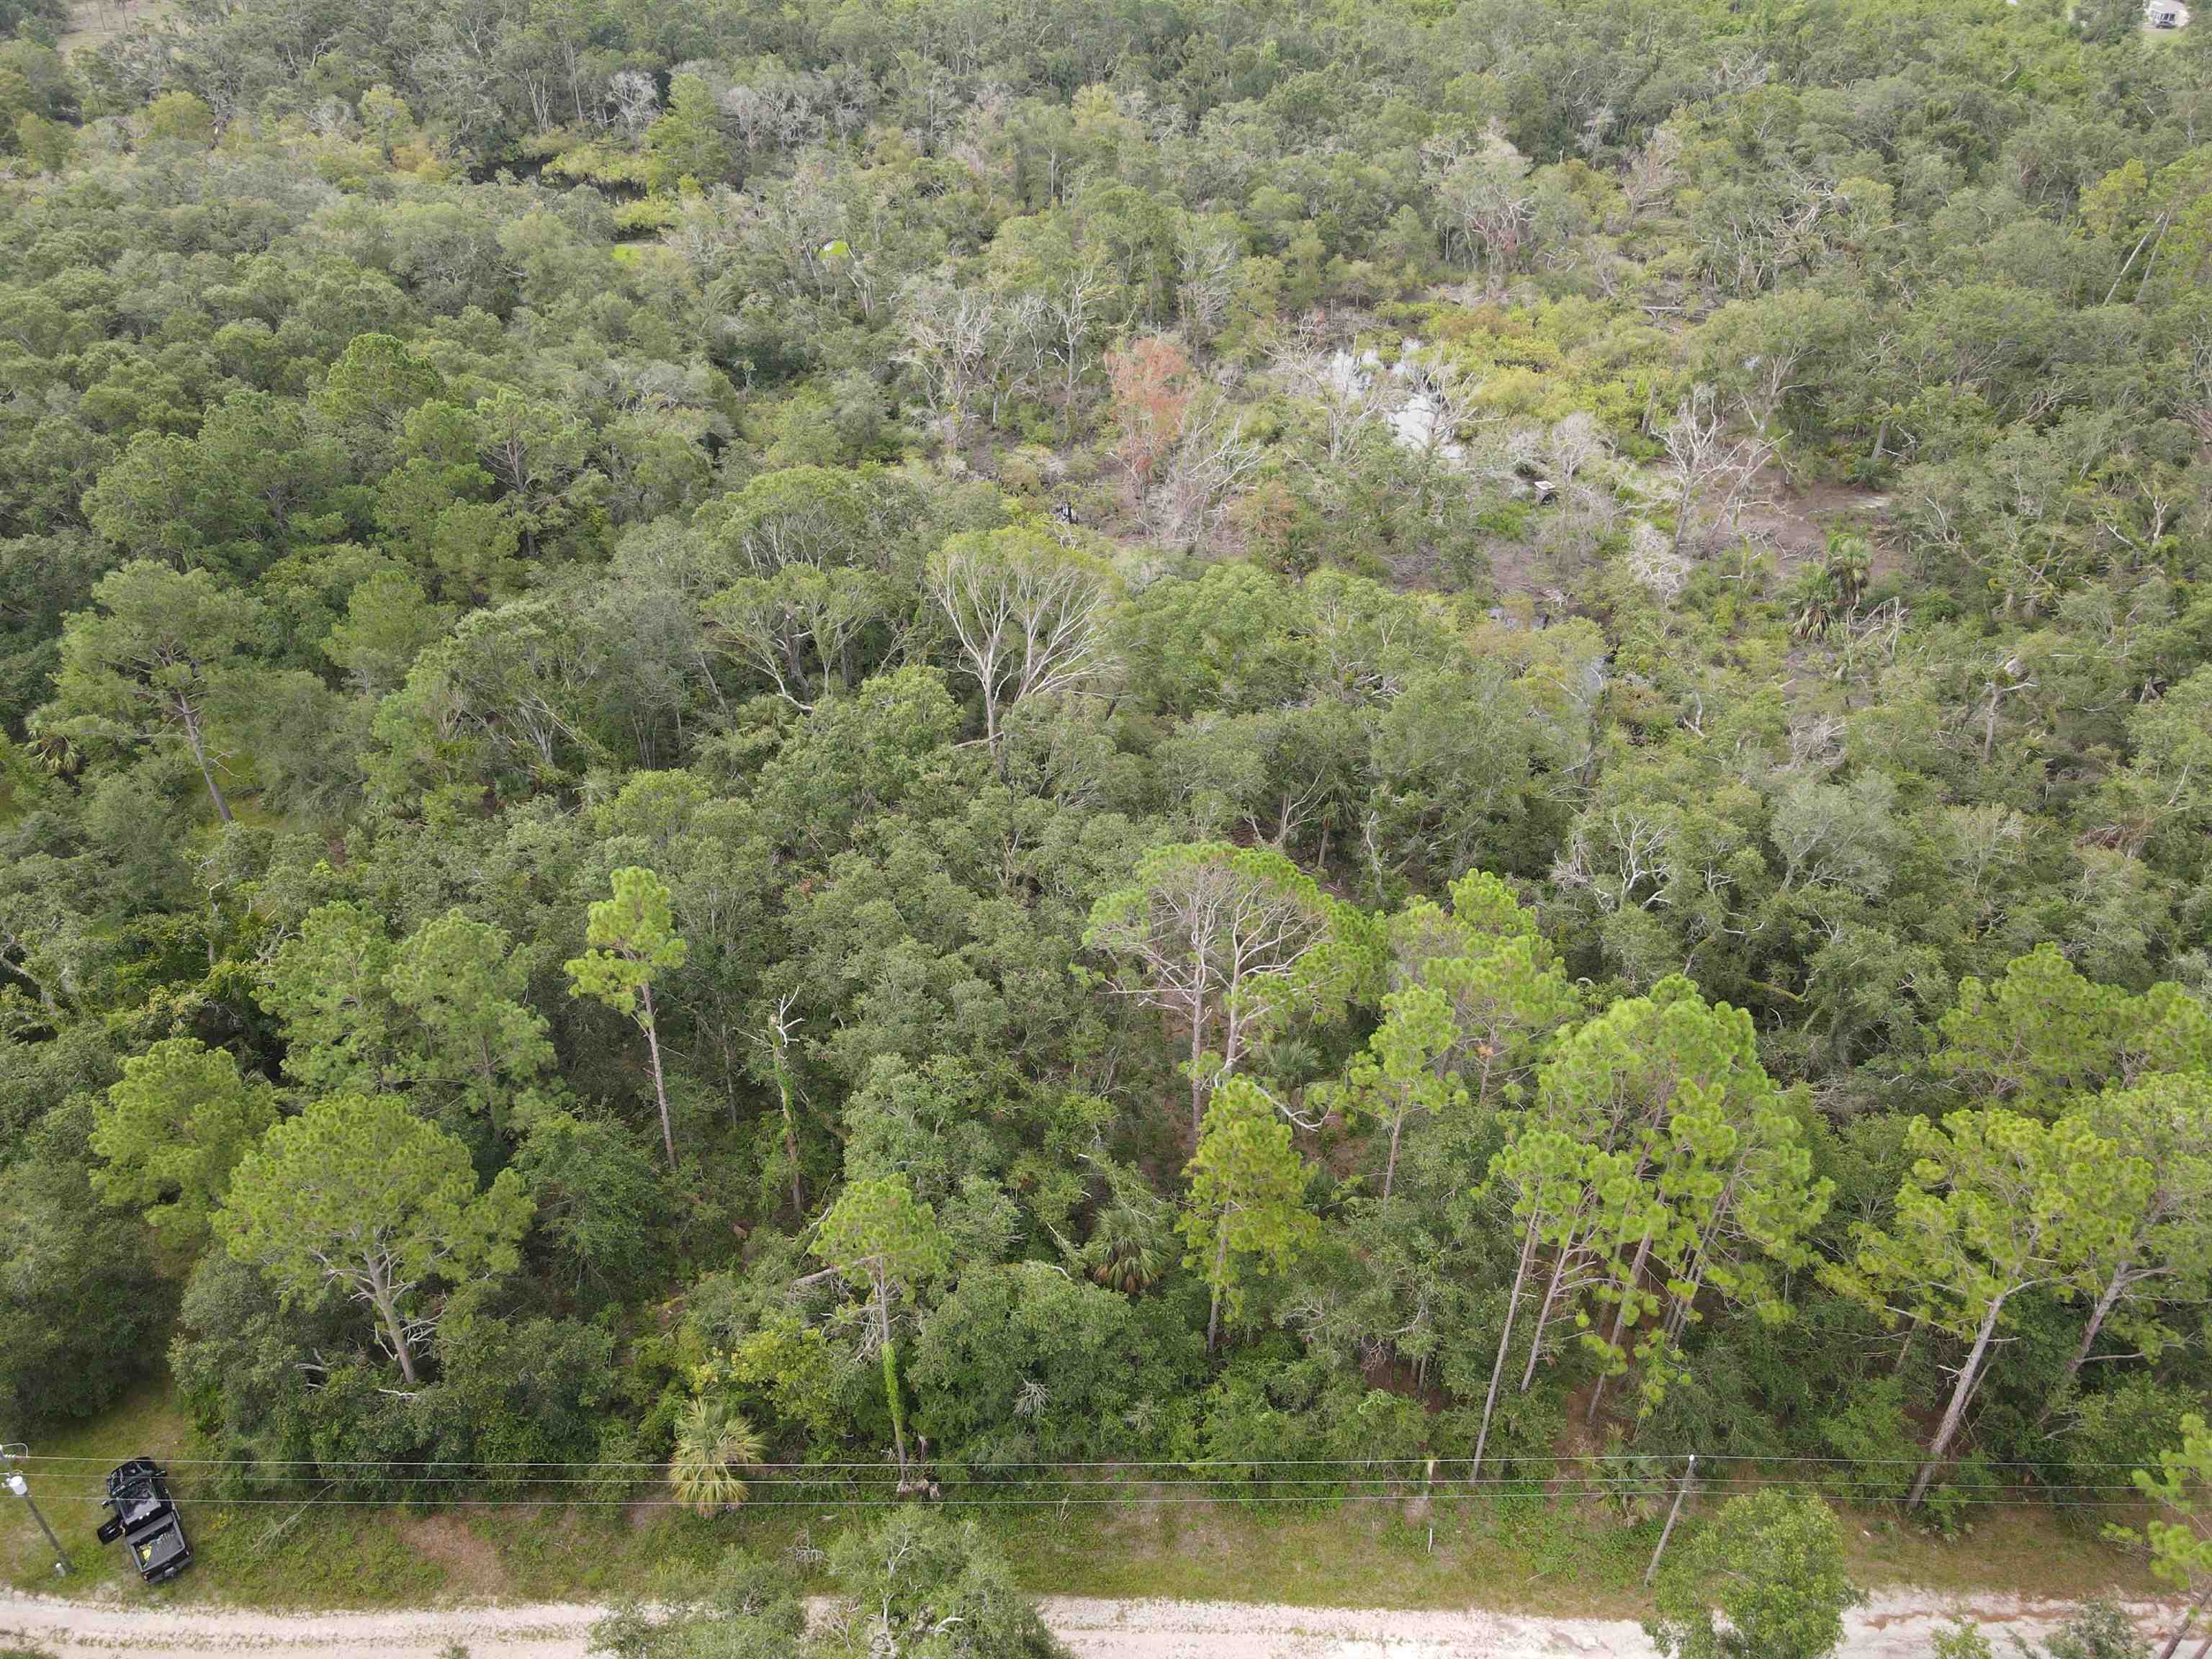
(145, 1518)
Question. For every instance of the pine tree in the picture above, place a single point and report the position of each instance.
(1245, 1216)
(359, 1193)
(631, 941)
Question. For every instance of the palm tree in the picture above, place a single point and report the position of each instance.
(1832, 589)
(1850, 564)
(1814, 610)
(1127, 1247)
(713, 1443)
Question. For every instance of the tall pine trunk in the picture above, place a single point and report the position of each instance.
(390, 1314)
(890, 1373)
(2106, 1302)
(1620, 1317)
(1197, 1055)
(1220, 1269)
(1390, 1168)
(1969, 1374)
(2188, 1618)
(1505, 1340)
(791, 1156)
(659, 1083)
(192, 735)
(1544, 1318)
(790, 1131)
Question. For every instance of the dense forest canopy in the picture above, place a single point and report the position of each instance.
(990, 732)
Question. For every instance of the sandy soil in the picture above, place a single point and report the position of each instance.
(1894, 1625)
(1796, 523)
(93, 23)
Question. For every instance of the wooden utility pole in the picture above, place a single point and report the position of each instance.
(21, 1488)
(1673, 1515)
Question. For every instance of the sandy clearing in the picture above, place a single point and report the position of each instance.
(528, 1631)
(1893, 1625)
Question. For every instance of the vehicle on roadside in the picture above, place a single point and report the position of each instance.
(144, 1516)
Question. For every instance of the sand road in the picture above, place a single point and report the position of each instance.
(1895, 1625)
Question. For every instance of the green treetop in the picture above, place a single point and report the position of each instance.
(1695, 1171)
(2043, 1032)
(149, 664)
(173, 1130)
(1995, 1205)
(2145, 1232)
(688, 143)
(924, 1585)
(359, 1194)
(1771, 1566)
(326, 984)
(463, 983)
(879, 1240)
(1404, 1073)
(630, 942)
(1245, 1216)
(2180, 1544)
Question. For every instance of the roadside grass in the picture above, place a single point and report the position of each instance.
(1504, 1554)
(1512, 1556)
(1520, 1554)
(2032, 1552)
(69, 1493)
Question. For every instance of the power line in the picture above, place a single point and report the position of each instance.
(1129, 1484)
(1130, 1501)
(880, 1464)
(1321, 1489)
(1127, 1463)
(1315, 1490)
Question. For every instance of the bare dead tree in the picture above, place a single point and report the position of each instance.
(1624, 861)
(781, 1032)
(1074, 301)
(1708, 474)
(1204, 936)
(1206, 279)
(1652, 173)
(635, 98)
(1210, 458)
(1014, 346)
(1350, 395)
(1026, 615)
(948, 336)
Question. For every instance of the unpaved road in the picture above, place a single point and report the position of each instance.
(1894, 1625)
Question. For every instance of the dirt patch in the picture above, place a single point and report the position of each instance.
(1795, 522)
(93, 23)
(1517, 568)
(473, 1567)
